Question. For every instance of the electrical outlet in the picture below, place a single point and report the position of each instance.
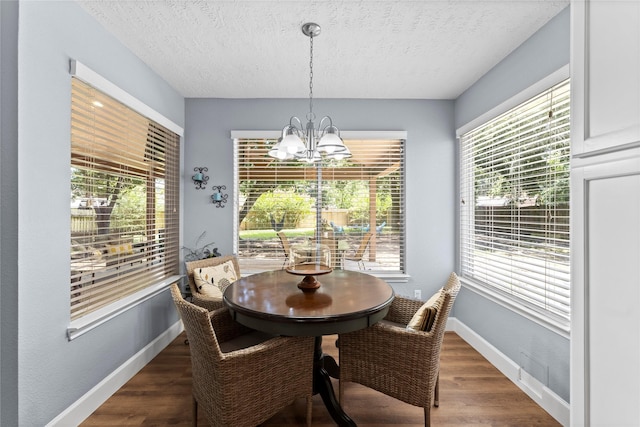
(417, 294)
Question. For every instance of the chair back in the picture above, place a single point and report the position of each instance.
(424, 388)
(363, 245)
(332, 243)
(209, 262)
(202, 338)
(447, 298)
(206, 355)
(286, 247)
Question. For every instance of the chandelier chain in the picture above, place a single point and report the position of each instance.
(311, 115)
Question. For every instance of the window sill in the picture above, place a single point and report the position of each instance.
(557, 325)
(92, 320)
(392, 277)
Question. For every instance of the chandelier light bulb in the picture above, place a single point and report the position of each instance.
(331, 142)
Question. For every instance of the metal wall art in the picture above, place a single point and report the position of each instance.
(200, 179)
(218, 198)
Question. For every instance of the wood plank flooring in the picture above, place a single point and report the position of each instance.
(472, 393)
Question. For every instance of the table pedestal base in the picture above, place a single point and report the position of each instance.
(322, 385)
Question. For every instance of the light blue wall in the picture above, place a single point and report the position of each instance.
(431, 192)
(53, 372)
(542, 54)
(8, 213)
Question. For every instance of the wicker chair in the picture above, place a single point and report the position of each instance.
(243, 377)
(398, 362)
(197, 298)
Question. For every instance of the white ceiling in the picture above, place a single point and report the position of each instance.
(422, 49)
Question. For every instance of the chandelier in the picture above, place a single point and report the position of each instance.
(310, 143)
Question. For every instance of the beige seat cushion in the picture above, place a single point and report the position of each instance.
(423, 319)
(212, 281)
(390, 323)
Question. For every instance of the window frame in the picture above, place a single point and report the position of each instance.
(553, 323)
(392, 276)
(87, 322)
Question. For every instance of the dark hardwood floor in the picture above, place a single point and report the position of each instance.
(472, 393)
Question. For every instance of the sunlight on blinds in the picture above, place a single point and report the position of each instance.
(515, 203)
(124, 200)
(357, 195)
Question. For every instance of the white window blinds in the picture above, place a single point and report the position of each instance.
(514, 225)
(124, 200)
(358, 195)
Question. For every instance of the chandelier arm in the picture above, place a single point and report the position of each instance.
(322, 129)
(299, 129)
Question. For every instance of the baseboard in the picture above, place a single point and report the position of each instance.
(87, 404)
(542, 395)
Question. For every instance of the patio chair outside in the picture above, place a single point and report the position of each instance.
(360, 252)
(286, 247)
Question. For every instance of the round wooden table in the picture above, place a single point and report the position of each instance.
(346, 301)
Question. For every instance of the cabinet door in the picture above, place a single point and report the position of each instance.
(605, 75)
(606, 336)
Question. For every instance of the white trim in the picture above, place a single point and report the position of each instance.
(579, 333)
(89, 76)
(345, 134)
(544, 320)
(392, 277)
(538, 392)
(236, 195)
(255, 134)
(94, 319)
(531, 91)
(624, 139)
(90, 401)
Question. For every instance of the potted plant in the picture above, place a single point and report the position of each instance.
(200, 252)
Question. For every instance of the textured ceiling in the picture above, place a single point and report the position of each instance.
(423, 49)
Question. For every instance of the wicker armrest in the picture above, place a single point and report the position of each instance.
(380, 343)
(283, 349)
(210, 303)
(402, 310)
(382, 334)
(226, 328)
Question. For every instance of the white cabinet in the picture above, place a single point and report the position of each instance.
(606, 326)
(605, 73)
(605, 184)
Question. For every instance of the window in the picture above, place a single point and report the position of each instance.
(124, 200)
(514, 223)
(358, 195)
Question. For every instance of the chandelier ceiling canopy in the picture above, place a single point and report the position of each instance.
(310, 143)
